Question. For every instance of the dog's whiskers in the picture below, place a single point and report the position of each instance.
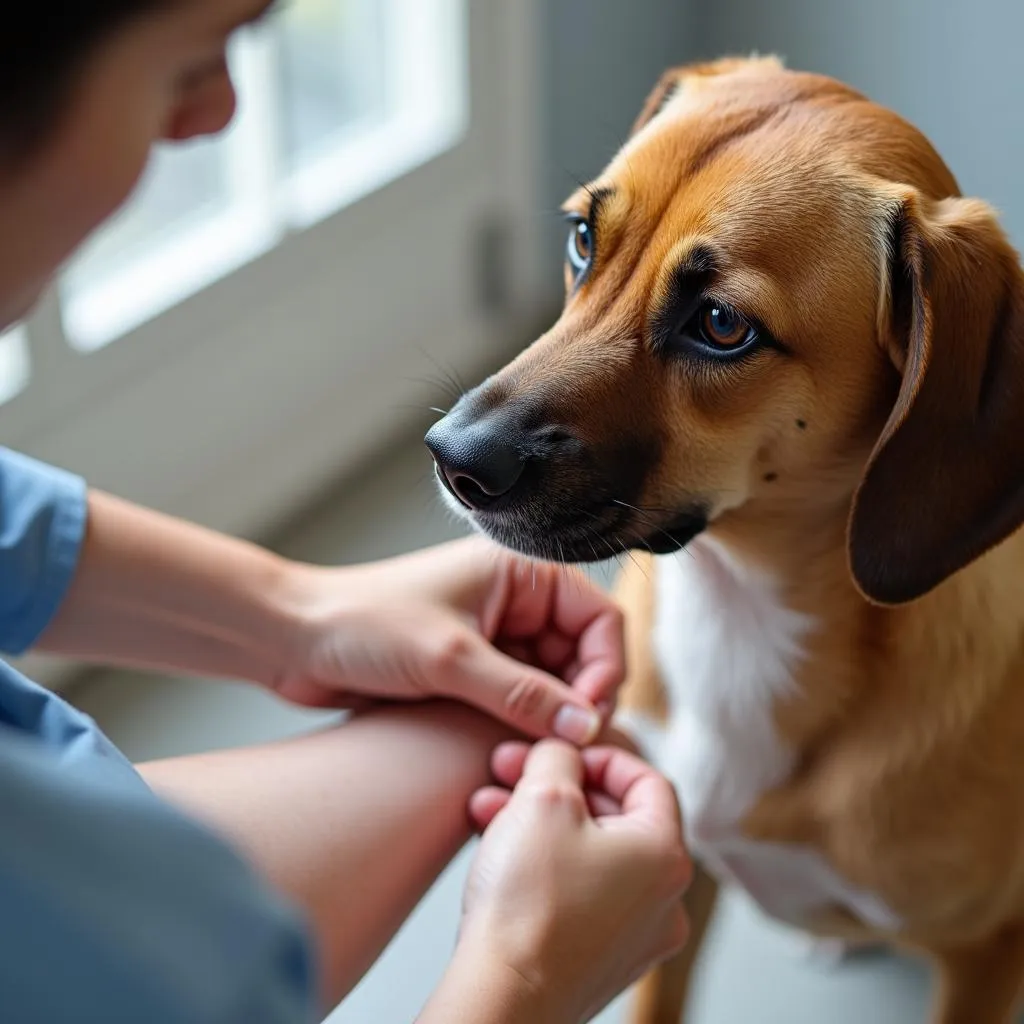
(615, 553)
(632, 558)
(449, 379)
(622, 549)
(646, 513)
(641, 510)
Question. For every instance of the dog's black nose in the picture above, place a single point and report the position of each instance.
(478, 461)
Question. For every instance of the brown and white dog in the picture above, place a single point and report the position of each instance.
(790, 348)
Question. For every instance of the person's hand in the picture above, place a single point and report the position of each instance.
(577, 886)
(537, 646)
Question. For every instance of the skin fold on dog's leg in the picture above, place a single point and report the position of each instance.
(661, 995)
(983, 984)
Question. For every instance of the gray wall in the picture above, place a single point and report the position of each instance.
(600, 58)
(955, 68)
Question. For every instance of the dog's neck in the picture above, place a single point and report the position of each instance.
(802, 548)
(850, 643)
(802, 551)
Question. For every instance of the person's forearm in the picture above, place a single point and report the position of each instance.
(155, 592)
(476, 990)
(354, 824)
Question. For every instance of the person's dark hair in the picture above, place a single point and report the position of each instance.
(42, 51)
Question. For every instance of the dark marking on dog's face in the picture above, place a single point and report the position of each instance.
(723, 286)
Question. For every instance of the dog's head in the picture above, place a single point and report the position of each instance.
(775, 301)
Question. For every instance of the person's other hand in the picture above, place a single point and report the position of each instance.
(535, 645)
(577, 886)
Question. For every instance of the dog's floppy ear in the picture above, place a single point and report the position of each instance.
(945, 482)
(674, 79)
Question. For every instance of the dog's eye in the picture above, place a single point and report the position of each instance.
(579, 249)
(717, 329)
(723, 327)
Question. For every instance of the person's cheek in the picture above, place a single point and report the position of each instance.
(103, 154)
(86, 173)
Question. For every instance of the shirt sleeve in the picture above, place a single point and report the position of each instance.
(115, 908)
(42, 523)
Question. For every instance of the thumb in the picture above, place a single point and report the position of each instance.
(522, 696)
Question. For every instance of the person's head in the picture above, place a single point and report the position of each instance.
(85, 92)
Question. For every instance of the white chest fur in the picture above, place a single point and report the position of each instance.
(727, 648)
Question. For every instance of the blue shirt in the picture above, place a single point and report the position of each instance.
(114, 908)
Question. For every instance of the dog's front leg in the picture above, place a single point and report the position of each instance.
(660, 996)
(982, 984)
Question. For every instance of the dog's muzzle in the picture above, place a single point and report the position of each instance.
(479, 462)
(536, 487)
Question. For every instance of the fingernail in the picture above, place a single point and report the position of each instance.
(577, 725)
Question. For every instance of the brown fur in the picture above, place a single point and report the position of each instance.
(911, 718)
(872, 463)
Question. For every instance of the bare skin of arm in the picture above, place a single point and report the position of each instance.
(354, 824)
(534, 646)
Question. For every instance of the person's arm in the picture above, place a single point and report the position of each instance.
(562, 909)
(536, 646)
(152, 591)
(354, 824)
(477, 989)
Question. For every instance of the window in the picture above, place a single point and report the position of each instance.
(336, 97)
(273, 305)
(334, 72)
(14, 363)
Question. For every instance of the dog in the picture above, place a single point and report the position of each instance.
(788, 381)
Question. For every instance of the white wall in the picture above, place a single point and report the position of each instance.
(955, 68)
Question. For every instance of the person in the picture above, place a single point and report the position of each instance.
(259, 885)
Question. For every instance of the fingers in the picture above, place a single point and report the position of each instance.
(607, 768)
(575, 623)
(485, 804)
(552, 767)
(642, 792)
(612, 736)
(622, 780)
(508, 762)
(551, 761)
(577, 603)
(586, 614)
(509, 765)
(601, 805)
(601, 657)
(556, 652)
(529, 700)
